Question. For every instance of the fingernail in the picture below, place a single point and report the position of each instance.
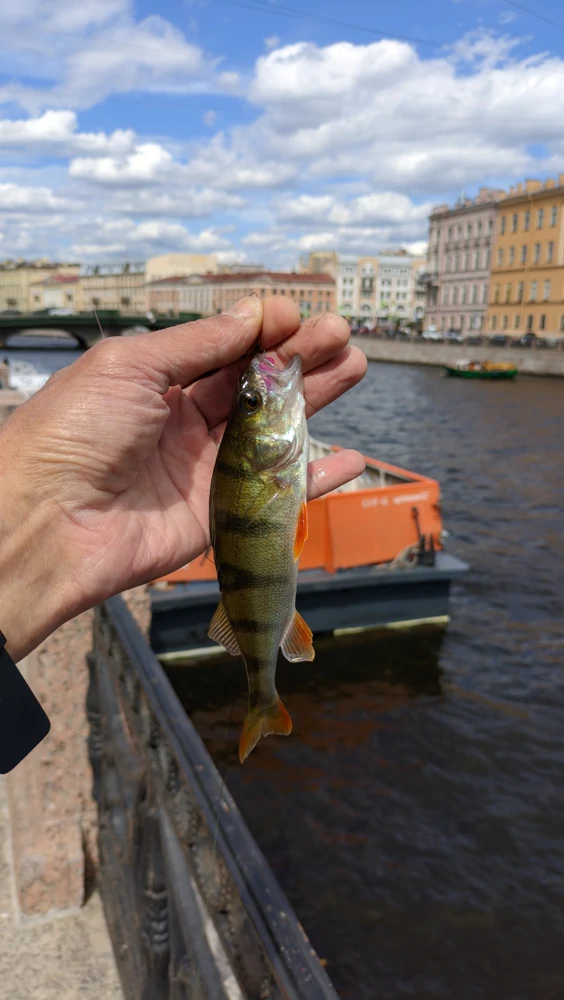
(245, 308)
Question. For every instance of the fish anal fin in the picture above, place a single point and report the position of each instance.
(262, 722)
(220, 631)
(296, 644)
(301, 531)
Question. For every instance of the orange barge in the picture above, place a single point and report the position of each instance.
(374, 556)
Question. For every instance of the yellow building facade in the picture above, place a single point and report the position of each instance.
(18, 278)
(527, 271)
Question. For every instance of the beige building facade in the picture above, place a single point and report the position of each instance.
(17, 277)
(115, 286)
(177, 265)
(527, 276)
(60, 291)
(215, 293)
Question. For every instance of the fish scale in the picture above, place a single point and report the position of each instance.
(258, 526)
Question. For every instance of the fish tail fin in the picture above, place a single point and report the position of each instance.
(262, 722)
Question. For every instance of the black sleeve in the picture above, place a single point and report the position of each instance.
(23, 723)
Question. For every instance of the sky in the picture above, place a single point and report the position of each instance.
(261, 130)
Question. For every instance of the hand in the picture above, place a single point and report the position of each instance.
(105, 472)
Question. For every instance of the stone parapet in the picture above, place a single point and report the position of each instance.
(527, 361)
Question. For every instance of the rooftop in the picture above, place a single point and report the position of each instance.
(264, 277)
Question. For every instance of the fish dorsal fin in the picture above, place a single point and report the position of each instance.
(296, 644)
(220, 631)
(301, 531)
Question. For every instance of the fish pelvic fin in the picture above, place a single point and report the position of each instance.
(297, 643)
(220, 631)
(262, 722)
(301, 531)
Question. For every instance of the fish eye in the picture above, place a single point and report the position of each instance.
(250, 402)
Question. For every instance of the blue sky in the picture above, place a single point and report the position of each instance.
(243, 128)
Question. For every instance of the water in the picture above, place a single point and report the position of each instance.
(46, 354)
(414, 817)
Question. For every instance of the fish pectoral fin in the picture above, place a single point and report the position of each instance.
(220, 631)
(262, 722)
(301, 531)
(296, 644)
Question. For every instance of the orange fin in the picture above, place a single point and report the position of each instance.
(262, 722)
(296, 644)
(301, 531)
(220, 631)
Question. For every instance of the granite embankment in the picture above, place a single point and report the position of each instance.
(528, 361)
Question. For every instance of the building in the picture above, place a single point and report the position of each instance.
(180, 294)
(18, 276)
(418, 290)
(60, 291)
(216, 293)
(348, 285)
(459, 262)
(320, 262)
(399, 288)
(115, 286)
(527, 279)
(170, 265)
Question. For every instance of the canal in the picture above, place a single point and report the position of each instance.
(414, 817)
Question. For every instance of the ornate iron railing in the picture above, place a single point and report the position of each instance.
(193, 909)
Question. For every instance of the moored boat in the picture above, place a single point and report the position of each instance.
(374, 556)
(481, 369)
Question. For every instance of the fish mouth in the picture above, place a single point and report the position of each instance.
(272, 375)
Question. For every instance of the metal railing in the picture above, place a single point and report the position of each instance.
(193, 909)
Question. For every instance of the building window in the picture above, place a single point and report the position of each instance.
(464, 295)
(492, 322)
(540, 218)
(562, 324)
(508, 292)
(514, 223)
(487, 256)
(536, 255)
(546, 291)
(490, 225)
(476, 259)
(505, 322)
(456, 261)
(511, 255)
(125, 301)
(533, 295)
(459, 230)
(95, 303)
(524, 254)
(455, 295)
(553, 214)
(529, 322)
(542, 321)
(484, 293)
(526, 220)
(474, 294)
(466, 260)
(520, 288)
(517, 322)
(479, 228)
(549, 252)
(445, 296)
(469, 229)
(502, 225)
(496, 293)
(449, 232)
(500, 257)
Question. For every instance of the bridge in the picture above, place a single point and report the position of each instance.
(83, 326)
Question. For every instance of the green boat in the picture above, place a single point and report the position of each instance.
(478, 369)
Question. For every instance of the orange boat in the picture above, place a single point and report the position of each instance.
(373, 556)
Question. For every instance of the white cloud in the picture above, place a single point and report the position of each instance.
(272, 42)
(146, 163)
(209, 118)
(124, 238)
(16, 199)
(55, 132)
(507, 16)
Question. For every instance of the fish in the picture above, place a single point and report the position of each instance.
(258, 526)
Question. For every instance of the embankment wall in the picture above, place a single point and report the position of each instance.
(528, 361)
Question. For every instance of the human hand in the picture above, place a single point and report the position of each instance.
(105, 472)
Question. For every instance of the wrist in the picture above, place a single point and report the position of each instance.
(33, 598)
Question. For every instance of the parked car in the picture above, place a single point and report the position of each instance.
(454, 337)
(499, 340)
(10, 312)
(527, 340)
(550, 342)
(474, 339)
(432, 334)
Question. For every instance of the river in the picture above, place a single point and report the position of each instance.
(414, 817)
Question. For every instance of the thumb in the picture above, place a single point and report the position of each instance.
(181, 354)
